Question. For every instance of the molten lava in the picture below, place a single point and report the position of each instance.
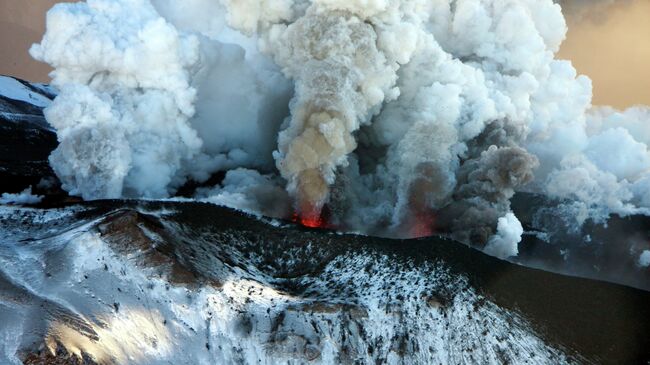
(422, 224)
(312, 218)
(308, 221)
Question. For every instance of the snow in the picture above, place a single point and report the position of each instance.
(139, 316)
(13, 89)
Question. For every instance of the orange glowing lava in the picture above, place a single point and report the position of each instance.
(308, 220)
(422, 225)
(312, 216)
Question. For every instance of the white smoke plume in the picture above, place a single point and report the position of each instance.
(125, 101)
(138, 97)
(644, 259)
(25, 197)
(391, 117)
(610, 170)
(504, 243)
(252, 192)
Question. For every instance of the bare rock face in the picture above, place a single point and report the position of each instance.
(143, 239)
(191, 283)
(60, 356)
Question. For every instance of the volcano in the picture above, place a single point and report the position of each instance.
(128, 281)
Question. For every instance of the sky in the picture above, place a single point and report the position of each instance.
(609, 43)
(22, 22)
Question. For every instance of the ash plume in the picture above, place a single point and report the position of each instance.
(390, 117)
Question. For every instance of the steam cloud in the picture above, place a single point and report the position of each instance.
(504, 243)
(390, 117)
(644, 259)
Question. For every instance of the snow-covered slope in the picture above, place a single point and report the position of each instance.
(190, 283)
(39, 95)
(26, 139)
(22, 101)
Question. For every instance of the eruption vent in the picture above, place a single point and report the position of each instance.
(401, 117)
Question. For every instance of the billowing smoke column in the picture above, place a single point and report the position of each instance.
(122, 114)
(340, 75)
(390, 117)
(144, 105)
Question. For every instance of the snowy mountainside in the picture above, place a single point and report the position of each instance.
(116, 282)
(20, 99)
(26, 139)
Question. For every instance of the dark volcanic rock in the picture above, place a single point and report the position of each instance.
(603, 251)
(144, 238)
(26, 140)
(59, 356)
